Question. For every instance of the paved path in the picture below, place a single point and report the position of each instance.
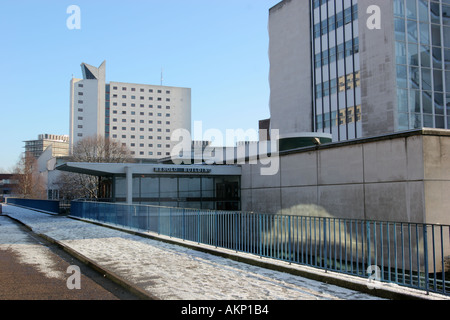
(164, 271)
(31, 269)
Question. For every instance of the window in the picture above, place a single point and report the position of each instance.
(80, 110)
(80, 85)
(80, 93)
(124, 88)
(80, 118)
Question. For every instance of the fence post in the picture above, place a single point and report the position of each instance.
(325, 243)
(369, 258)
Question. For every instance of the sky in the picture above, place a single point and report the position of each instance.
(218, 48)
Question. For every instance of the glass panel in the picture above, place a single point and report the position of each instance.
(439, 103)
(435, 12)
(414, 101)
(426, 102)
(149, 187)
(447, 58)
(440, 122)
(401, 77)
(400, 30)
(403, 121)
(437, 58)
(424, 33)
(412, 31)
(428, 121)
(447, 37)
(426, 79)
(411, 10)
(402, 100)
(168, 188)
(400, 51)
(446, 14)
(413, 54)
(437, 80)
(447, 81)
(120, 187)
(436, 34)
(425, 56)
(423, 10)
(189, 188)
(414, 77)
(399, 8)
(416, 120)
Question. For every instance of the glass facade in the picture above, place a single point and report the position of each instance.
(336, 71)
(422, 48)
(198, 192)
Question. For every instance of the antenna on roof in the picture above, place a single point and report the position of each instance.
(162, 78)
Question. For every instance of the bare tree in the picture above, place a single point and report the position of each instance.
(29, 183)
(93, 150)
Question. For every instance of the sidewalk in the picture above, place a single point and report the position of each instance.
(30, 270)
(170, 272)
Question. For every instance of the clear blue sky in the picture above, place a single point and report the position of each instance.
(219, 48)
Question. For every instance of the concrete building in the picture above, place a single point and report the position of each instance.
(402, 177)
(345, 68)
(140, 116)
(59, 144)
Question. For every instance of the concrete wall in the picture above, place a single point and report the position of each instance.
(290, 67)
(378, 71)
(402, 177)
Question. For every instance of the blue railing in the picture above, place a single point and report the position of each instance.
(45, 205)
(407, 254)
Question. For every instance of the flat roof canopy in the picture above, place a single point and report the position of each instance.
(113, 169)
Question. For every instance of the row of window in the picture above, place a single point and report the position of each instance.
(421, 12)
(334, 22)
(333, 54)
(141, 129)
(115, 96)
(133, 113)
(141, 90)
(134, 120)
(347, 82)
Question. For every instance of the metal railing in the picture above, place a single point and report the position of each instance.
(407, 254)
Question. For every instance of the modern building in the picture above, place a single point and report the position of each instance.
(186, 186)
(141, 117)
(8, 182)
(59, 144)
(359, 68)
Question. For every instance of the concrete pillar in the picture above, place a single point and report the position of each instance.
(129, 177)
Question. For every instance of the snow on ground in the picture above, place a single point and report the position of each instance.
(27, 252)
(167, 271)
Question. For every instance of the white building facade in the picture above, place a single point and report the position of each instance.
(142, 117)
